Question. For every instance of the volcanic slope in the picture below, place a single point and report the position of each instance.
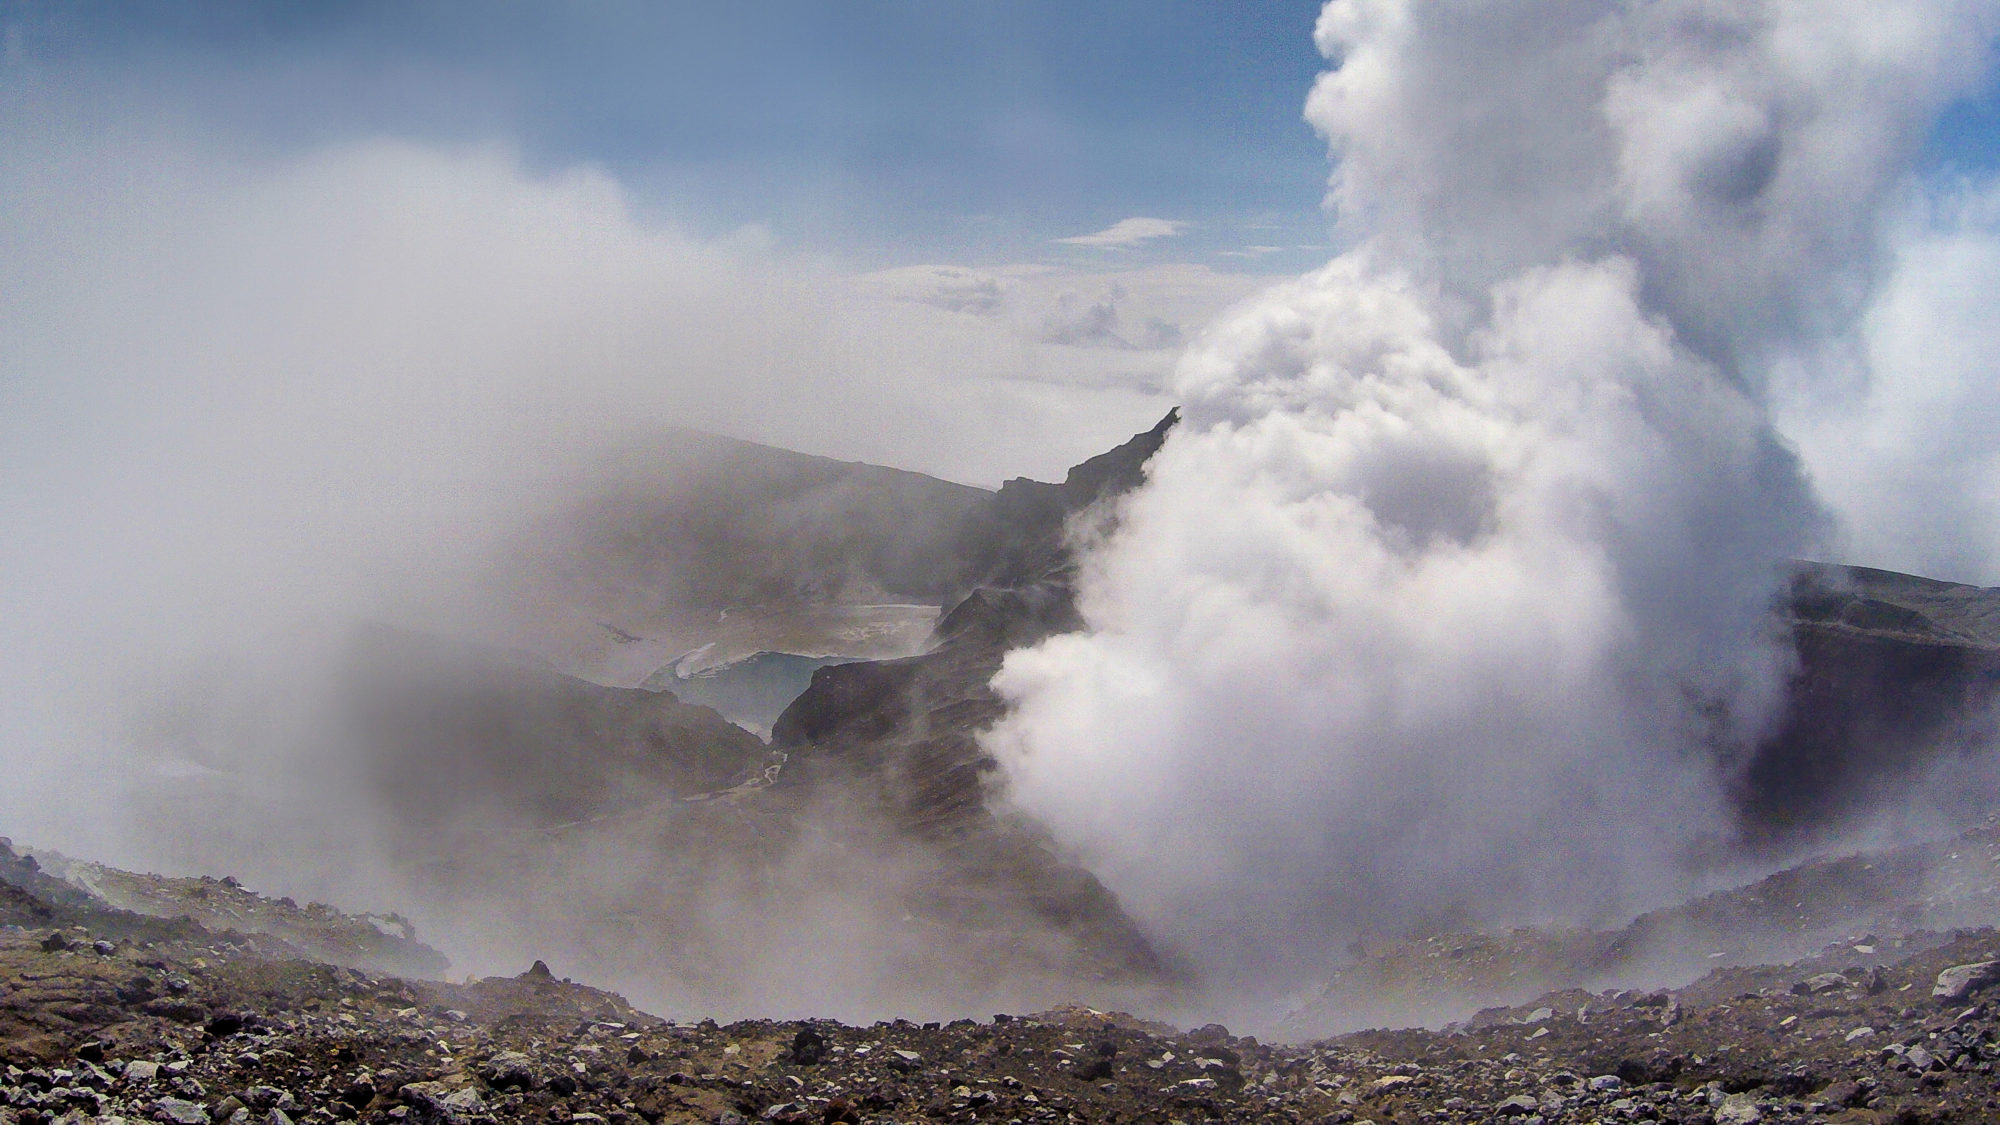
(103, 1017)
(695, 545)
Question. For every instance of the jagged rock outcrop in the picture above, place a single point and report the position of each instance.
(913, 723)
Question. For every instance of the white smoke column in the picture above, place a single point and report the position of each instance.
(1449, 598)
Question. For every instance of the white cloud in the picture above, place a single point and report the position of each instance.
(1253, 251)
(1128, 232)
(240, 391)
(1906, 448)
(1092, 327)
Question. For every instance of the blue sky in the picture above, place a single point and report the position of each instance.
(887, 132)
(922, 171)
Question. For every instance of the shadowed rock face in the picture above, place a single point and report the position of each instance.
(909, 728)
(1896, 676)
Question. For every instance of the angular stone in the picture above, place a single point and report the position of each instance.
(435, 1101)
(178, 1111)
(1392, 1082)
(1960, 981)
(1739, 1109)
(509, 1070)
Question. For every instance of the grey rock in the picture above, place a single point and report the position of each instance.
(1739, 1109)
(1605, 1082)
(1920, 1059)
(176, 1111)
(1960, 981)
(509, 1069)
(264, 1097)
(1824, 982)
(1520, 1105)
(436, 1101)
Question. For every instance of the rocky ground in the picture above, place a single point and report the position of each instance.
(1936, 886)
(109, 1014)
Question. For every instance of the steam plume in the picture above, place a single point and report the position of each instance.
(1449, 601)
